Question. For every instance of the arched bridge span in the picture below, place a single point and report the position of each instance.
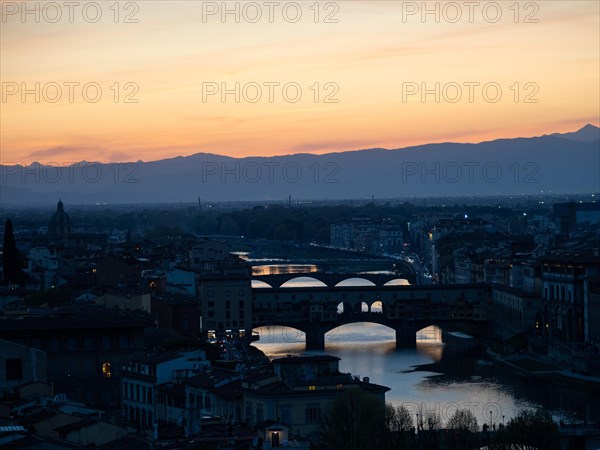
(334, 279)
(406, 309)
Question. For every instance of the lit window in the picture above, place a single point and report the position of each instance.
(106, 373)
(312, 388)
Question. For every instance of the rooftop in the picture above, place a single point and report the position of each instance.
(306, 359)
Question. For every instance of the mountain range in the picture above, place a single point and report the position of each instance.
(555, 163)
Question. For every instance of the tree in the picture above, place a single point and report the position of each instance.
(529, 430)
(11, 258)
(356, 422)
(399, 423)
(533, 429)
(428, 429)
(464, 420)
(462, 427)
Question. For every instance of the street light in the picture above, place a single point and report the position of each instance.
(490, 418)
(503, 419)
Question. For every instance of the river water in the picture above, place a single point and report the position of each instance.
(434, 377)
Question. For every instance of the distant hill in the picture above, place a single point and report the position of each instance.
(560, 163)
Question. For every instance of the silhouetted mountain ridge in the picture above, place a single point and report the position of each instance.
(560, 163)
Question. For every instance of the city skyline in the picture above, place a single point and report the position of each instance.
(362, 89)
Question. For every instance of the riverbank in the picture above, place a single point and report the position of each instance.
(545, 369)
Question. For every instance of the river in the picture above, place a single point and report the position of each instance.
(433, 377)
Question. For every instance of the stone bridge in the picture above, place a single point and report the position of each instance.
(404, 308)
(335, 279)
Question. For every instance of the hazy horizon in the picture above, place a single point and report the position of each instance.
(308, 153)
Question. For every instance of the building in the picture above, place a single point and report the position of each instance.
(563, 278)
(141, 378)
(225, 295)
(572, 214)
(212, 392)
(177, 313)
(112, 298)
(20, 364)
(85, 348)
(364, 234)
(514, 311)
(60, 223)
(208, 251)
(301, 399)
(592, 311)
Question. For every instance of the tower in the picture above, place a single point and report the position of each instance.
(60, 224)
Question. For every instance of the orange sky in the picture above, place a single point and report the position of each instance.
(361, 63)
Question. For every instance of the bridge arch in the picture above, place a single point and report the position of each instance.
(397, 282)
(355, 282)
(259, 284)
(303, 282)
(376, 306)
(380, 328)
(344, 307)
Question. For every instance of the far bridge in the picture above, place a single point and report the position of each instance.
(335, 279)
(404, 308)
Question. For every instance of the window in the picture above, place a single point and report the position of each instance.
(286, 414)
(105, 342)
(89, 368)
(53, 346)
(123, 342)
(106, 397)
(106, 373)
(211, 293)
(227, 293)
(88, 343)
(259, 413)
(313, 414)
(241, 293)
(71, 344)
(14, 369)
(125, 389)
(207, 402)
(210, 304)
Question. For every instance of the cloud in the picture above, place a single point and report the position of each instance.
(60, 152)
(331, 146)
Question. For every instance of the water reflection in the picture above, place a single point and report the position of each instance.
(433, 376)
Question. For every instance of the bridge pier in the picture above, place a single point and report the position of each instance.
(315, 338)
(406, 337)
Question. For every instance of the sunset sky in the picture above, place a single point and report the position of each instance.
(172, 52)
